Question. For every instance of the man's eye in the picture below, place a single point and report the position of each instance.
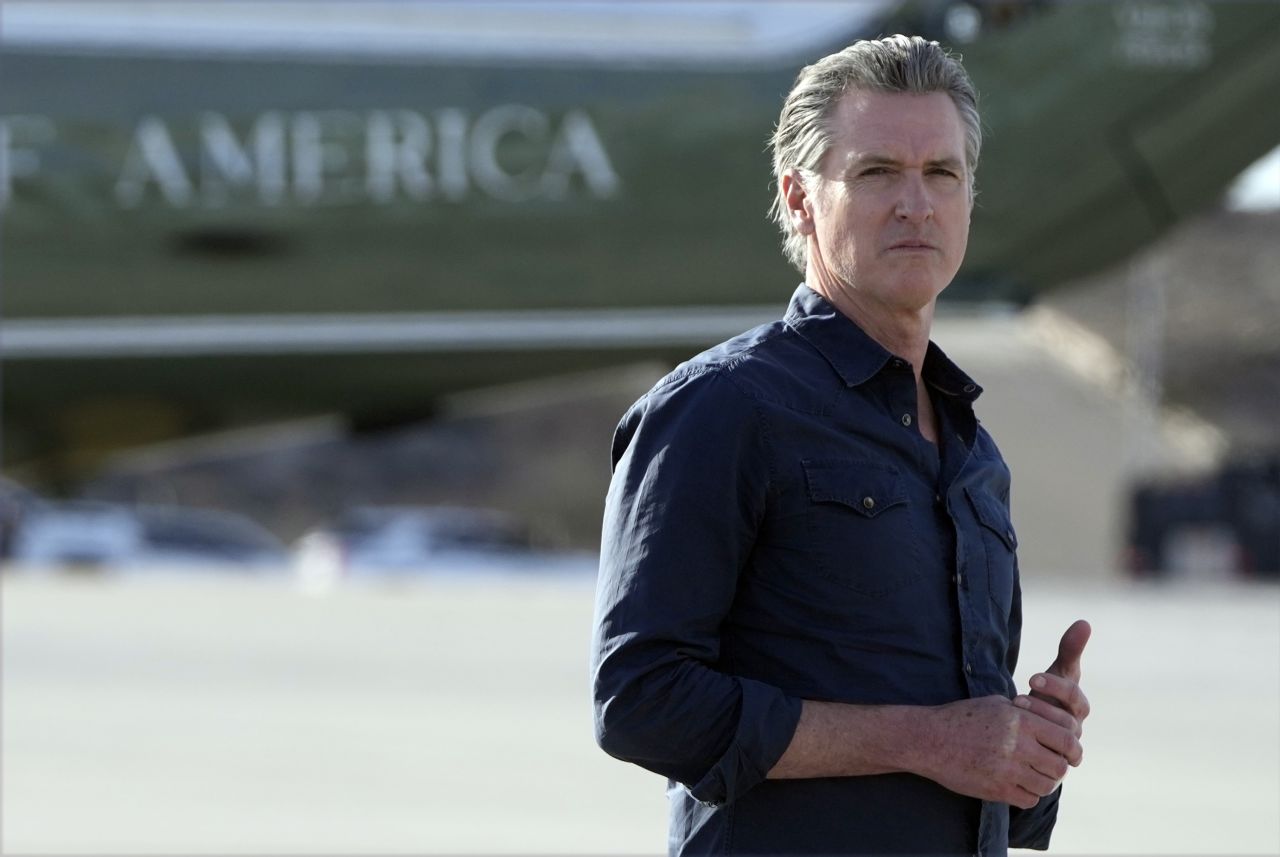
(875, 171)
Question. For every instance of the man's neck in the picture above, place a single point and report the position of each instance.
(902, 332)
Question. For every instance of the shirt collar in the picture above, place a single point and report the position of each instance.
(856, 357)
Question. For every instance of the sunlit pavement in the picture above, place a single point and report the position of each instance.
(182, 715)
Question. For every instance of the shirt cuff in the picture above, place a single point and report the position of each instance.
(767, 721)
(1031, 828)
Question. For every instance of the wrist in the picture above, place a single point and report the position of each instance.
(901, 738)
(913, 746)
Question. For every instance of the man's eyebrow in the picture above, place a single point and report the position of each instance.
(876, 160)
(873, 160)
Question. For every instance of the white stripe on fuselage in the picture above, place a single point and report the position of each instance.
(463, 331)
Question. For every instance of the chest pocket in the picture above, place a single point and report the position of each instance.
(999, 543)
(860, 529)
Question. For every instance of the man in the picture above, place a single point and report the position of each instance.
(808, 611)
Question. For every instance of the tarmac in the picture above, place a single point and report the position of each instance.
(184, 715)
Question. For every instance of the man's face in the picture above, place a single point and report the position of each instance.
(890, 207)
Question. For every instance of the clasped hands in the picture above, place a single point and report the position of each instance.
(1017, 751)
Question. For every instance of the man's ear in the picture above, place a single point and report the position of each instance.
(799, 203)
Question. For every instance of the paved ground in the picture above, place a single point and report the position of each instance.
(180, 716)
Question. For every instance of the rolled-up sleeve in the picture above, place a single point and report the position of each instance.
(690, 484)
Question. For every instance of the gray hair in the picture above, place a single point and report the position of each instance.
(892, 64)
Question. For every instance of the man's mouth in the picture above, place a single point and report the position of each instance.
(912, 245)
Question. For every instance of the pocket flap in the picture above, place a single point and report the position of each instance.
(993, 515)
(864, 486)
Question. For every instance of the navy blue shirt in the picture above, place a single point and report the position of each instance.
(777, 529)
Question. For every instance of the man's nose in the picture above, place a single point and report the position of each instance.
(914, 202)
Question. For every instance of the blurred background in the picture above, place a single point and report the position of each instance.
(316, 319)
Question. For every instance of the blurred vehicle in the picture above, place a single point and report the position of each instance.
(87, 535)
(405, 541)
(176, 536)
(76, 535)
(15, 500)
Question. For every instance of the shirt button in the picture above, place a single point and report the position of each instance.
(906, 419)
(937, 498)
(957, 578)
(968, 668)
(868, 503)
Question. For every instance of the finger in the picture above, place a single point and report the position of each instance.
(1022, 798)
(1037, 782)
(1062, 692)
(1059, 740)
(1048, 763)
(1070, 650)
(1051, 712)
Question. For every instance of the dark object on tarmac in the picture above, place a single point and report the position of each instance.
(1226, 524)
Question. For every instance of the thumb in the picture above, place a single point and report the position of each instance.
(1070, 649)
